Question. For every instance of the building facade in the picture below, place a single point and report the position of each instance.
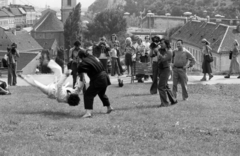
(49, 27)
(29, 49)
(220, 36)
(3, 3)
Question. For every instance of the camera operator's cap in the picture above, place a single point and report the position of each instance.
(156, 39)
(14, 45)
(77, 43)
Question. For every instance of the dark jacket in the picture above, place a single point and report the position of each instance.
(165, 58)
(95, 71)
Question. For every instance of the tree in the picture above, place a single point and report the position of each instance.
(106, 23)
(98, 6)
(72, 27)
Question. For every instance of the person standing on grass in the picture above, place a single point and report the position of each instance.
(234, 66)
(74, 60)
(114, 63)
(101, 51)
(99, 81)
(13, 54)
(206, 65)
(164, 61)
(114, 40)
(129, 52)
(154, 61)
(181, 56)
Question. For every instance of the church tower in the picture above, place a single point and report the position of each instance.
(67, 6)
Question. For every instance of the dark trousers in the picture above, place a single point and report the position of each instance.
(91, 92)
(104, 63)
(163, 88)
(119, 65)
(12, 74)
(154, 87)
(74, 72)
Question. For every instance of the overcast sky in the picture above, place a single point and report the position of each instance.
(51, 3)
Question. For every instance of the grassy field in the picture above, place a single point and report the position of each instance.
(207, 124)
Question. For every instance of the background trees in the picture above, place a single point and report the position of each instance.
(73, 27)
(106, 23)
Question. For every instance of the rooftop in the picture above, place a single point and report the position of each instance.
(220, 36)
(48, 23)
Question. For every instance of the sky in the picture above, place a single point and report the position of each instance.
(51, 3)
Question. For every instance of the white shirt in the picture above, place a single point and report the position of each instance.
(57, 90)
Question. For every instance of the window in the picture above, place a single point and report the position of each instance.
(69, 2)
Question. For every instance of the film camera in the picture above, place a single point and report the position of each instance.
(155, 42)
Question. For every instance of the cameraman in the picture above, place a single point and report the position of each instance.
(101, 51)
(154, 61)
(13, 54)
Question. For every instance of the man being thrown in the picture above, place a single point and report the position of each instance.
(57, 90)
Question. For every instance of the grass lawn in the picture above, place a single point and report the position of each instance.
(207, 124)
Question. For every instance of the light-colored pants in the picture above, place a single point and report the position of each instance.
(180, 76)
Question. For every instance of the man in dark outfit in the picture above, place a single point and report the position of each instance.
(99, 81)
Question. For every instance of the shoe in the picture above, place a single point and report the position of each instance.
(210, 77)
(109, 110)
(185, 99)
(203, 79)
(227, 76)
(87, 115)
(238, 77)
(175, 102)
(162, 105)
(120, 83)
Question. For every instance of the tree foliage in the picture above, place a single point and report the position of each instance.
(178, 7)
(98, 6)
(106, 23)
(72, 26)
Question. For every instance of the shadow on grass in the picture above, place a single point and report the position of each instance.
(140, 94)
(137, 107)
(56, 115)
(51, 114)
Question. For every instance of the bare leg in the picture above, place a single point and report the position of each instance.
(29, 79)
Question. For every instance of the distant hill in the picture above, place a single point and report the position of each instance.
(175, 7)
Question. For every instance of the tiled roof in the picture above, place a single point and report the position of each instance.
(23, 60)
(3, 14)
(194, 31)
(8, 12)
(15, 11)
(48, 22)
(228, 41)
(24, 41)
(46, 43)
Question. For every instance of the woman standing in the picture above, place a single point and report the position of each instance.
(234, 66)
(114, 40)
(129, 52)
(115, 67)
(206, 65)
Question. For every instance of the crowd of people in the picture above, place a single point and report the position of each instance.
(93, 61)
